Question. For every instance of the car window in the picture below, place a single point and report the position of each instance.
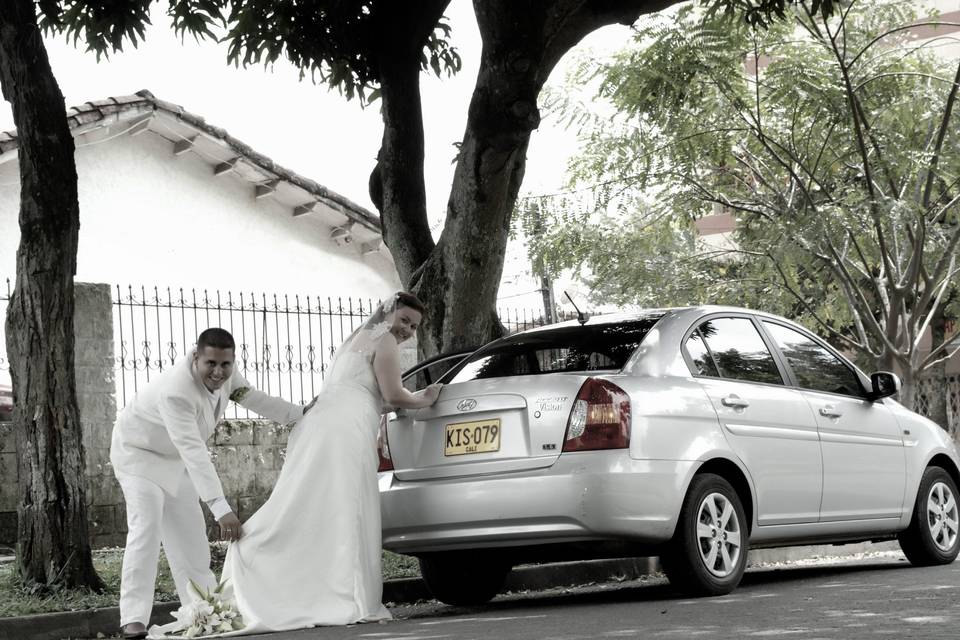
(423, 376)
(738, 350)
(601, 347)
(703, 363)
(813, 365)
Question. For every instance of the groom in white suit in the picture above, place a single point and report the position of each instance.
(160, 458)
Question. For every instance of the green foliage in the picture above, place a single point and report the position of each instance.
(104, 25)
(101, 25)
(15, 600)
(762, 13)
(18, 601)
(838, 162)
(336, 42)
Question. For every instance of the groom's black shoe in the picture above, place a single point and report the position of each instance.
(133, 631)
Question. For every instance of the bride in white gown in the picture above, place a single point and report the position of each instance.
(310, 555)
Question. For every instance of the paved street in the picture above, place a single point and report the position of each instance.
(879, 596)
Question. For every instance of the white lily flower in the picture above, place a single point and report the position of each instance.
(210, 613)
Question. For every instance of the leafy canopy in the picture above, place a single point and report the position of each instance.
(340, 43)
(836, 160)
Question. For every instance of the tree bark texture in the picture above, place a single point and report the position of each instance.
(459, 277)
(53, 547)
(936, 376)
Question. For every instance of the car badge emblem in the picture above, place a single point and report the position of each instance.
(467, 405)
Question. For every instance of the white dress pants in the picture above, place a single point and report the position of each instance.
(155, 518)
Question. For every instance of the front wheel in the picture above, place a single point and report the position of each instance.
(464, 578)
(708, 553)
(932, 536)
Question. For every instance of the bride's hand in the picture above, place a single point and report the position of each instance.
(432, 392)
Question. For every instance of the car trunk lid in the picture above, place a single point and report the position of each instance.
(485, 426)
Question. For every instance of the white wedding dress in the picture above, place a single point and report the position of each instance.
(310, 556)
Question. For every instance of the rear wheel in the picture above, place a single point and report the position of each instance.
(708, 553)
(464, 578)
(932, 536)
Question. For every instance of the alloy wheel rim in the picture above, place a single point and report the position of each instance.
(942, 516)
(718, 535)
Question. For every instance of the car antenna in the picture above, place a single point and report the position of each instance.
(581, 316)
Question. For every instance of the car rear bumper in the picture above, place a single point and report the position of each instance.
(593, 495)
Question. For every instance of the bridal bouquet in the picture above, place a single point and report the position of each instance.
(212, 612)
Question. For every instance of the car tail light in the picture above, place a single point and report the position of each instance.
(599, 419)
(383, 447)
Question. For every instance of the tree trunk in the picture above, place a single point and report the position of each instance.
(397, 185)
(522, 43)
(459, 276)
(936, 376)
(53, 546)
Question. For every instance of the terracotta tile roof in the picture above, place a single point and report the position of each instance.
(89, 115)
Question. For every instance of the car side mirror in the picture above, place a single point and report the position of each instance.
(884, 384)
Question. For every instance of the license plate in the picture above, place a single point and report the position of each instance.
(478, 436)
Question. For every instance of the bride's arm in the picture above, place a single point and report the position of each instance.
(386, 366)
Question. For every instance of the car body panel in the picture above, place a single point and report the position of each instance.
(923, 441)
(864, 468)
(583, 496)
(776, 438)
(672, 419)
(533, 419)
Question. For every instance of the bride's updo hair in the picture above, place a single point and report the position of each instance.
(405, 299)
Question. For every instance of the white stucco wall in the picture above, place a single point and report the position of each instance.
(152, 218)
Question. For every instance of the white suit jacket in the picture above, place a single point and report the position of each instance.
(164, 429)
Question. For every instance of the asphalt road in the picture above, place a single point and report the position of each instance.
(879, 596)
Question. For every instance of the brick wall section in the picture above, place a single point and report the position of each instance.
(93, 329)
(96, 391)
(248, 455)
(8, 485)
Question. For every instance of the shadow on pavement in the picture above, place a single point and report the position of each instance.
(651, 589)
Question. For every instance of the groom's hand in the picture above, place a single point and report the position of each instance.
(229, 527)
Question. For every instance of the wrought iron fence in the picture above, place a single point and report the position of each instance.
(284, 343)
(925, 396)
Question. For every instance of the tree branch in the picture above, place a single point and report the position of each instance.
(941, 134)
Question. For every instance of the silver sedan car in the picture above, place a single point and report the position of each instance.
(691, 434)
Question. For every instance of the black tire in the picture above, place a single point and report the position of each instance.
(686, 558)
(464, 578)
(932, 537)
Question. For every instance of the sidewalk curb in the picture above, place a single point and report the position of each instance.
(74, 624)
(88, 623)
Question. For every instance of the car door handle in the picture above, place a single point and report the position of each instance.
(735, 401)
(829, 411)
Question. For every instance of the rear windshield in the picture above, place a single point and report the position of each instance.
(581, 348)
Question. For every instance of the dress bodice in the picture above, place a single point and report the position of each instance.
(354, 369)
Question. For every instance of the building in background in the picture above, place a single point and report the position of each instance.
(168, 199)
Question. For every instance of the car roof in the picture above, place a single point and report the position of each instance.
(647, 314)
(602, 319)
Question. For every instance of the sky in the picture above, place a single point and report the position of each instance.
(314, 131)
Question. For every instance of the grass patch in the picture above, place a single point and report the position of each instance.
(398, 566)
(15, 600)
